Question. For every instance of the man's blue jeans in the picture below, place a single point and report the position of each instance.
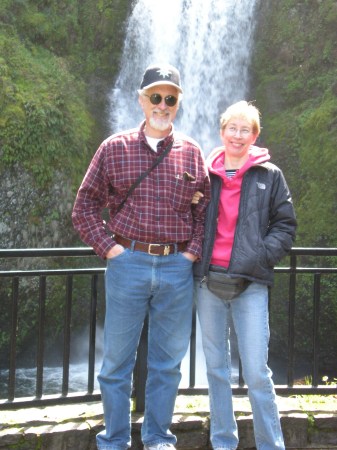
(136, 284)
(250, 318)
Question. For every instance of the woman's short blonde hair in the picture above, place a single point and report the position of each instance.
(242, 110)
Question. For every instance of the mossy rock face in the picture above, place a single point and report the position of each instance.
(294, 75)
(58, 61)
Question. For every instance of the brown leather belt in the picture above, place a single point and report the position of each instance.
(152, 249)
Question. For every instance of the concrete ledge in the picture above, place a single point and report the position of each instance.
(306, 425)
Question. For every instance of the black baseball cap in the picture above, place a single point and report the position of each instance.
(161, 74)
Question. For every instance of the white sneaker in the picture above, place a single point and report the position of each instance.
(161, 446)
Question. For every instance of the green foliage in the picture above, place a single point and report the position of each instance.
(50, 51)
(44, 122)
(295, 73)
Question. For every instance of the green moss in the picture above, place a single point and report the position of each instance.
(44, 123)
(294, 69)
(50, 51)
(295, 73)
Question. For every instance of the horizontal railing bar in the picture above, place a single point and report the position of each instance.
(313, 251)
(279, 388)
(88, 251)
(305, 390)
(30, 252)
(95, 270)
(306, 269)
(32, 273)
(51, 400)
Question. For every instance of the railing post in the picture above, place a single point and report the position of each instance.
(315, 333)
(92, 334)
(14, 326)
(291, 312)
(193, 348)
(66, 343)
(40, 343)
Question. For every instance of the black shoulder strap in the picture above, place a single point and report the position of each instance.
(145, 174)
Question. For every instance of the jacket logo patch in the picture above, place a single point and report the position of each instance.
(261, 185)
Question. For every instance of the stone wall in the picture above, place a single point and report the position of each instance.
(73, 427)
(32, 217)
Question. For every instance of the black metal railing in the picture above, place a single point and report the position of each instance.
(14, 270)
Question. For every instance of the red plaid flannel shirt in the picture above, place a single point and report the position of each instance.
(159, 210)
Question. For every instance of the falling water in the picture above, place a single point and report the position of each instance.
(209, 41)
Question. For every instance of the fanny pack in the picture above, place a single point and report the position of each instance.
(223, 286)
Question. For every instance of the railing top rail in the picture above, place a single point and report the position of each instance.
(30, 252)
(47, 272)
(314, 251)
(95, 270)
(305, 270)
(88, 251)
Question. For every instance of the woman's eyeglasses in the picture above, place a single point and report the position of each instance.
(244, 132)
(155, 99)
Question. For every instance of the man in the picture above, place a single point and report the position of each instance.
(150, 244)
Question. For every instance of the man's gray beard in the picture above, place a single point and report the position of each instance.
(160, 125)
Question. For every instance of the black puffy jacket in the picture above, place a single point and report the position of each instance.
(265, 228)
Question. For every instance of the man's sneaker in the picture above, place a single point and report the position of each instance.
(161, 446)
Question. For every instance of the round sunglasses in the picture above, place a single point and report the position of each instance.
(155, 99)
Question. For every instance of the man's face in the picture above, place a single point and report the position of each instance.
(159, 117)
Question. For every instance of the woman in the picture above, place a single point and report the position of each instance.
(250, 226)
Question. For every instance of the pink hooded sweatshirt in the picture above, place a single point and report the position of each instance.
(230, 200)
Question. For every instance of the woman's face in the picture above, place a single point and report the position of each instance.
(237, 137)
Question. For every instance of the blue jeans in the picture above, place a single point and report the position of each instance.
(136, 284)
(250, 318)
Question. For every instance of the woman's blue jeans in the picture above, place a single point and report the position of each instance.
(136, 284)
(251, 322)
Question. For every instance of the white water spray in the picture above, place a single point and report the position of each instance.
(209, 41)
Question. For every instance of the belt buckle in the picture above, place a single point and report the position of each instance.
(166, 249)
(150, 249)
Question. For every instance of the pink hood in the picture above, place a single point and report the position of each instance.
(257, 155)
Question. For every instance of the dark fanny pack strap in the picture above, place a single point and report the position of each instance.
(219, 269)
(144, 175)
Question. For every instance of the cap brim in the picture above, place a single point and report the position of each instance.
(163, 83)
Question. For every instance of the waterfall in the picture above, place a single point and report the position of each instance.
(210, 42)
